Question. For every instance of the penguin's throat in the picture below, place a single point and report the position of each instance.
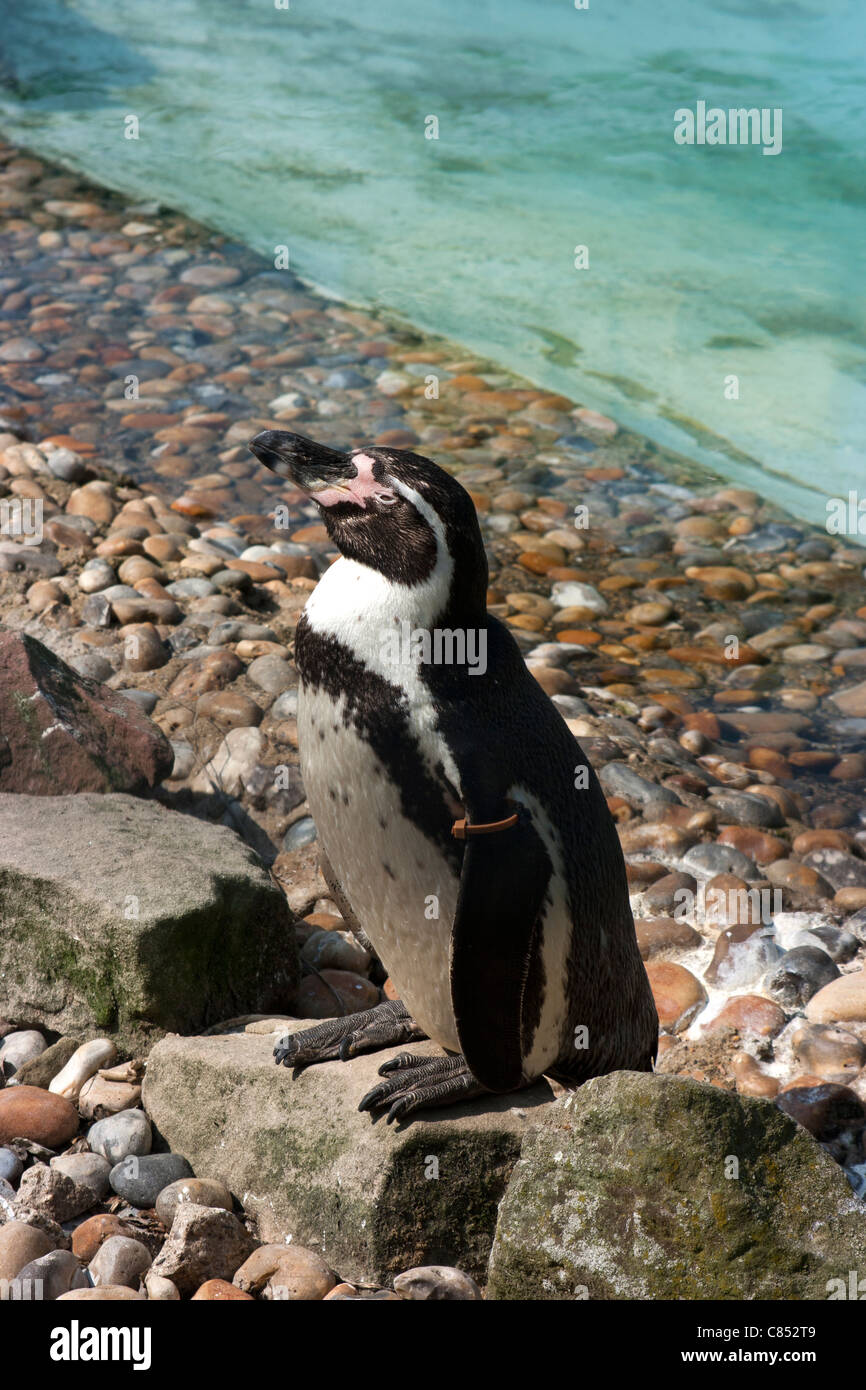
(352, 597)
(395, 628)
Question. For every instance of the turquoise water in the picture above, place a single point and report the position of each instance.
(305, 127)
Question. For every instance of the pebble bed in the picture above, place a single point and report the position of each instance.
(708, 652)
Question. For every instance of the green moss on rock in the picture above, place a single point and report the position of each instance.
(657, 1187)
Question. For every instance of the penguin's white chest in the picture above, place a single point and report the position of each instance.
(401, 889)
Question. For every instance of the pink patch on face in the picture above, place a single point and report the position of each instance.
(357, 489)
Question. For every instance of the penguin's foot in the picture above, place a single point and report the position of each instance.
(422, 1082)
(338, 1039)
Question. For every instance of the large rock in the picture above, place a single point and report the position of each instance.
(62, 732)
(372, 1198)
(121, 916)
(656, 1187)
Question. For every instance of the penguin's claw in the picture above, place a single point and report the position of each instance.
(338, 1039)
(425, 1082)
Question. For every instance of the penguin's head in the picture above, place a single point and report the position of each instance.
(389, 509)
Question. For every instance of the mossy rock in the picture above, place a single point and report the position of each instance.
(658, 1187)
(118, 916)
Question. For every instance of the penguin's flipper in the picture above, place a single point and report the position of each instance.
(338, 1039)
(502, 887)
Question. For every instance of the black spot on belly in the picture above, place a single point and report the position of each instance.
(345, 798)
(388, 871)
(383, 823)
(322, 735)
(332, 794)
(377, 712)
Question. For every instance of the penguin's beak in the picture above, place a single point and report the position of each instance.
(310, 466)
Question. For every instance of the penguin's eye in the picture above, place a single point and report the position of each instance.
(385, 499)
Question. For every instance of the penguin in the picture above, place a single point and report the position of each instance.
(464, 834)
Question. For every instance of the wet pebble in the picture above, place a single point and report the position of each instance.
(678, 994)
(839, 869)
(670, 892)
(841, 1001)
(840, 945)
(828, 1052)
(741, 956)
(827, 1111)
(798, 975)
(749, 1015)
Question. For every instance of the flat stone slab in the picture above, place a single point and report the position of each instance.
(122, 917)
(373, 1198)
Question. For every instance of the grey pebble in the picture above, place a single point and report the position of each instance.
(303, 832)
(286, 705)
(841, 945)
(120, 1260)
(618, 779)
(720, 859)
(93, 666)
(11, 1166)
(139, 1181)
(230, 579)
(272, 673)
(87, 1170)
(127, 1133)
(800, 974)
(145, 699)
(190, 588)
(742, 808)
